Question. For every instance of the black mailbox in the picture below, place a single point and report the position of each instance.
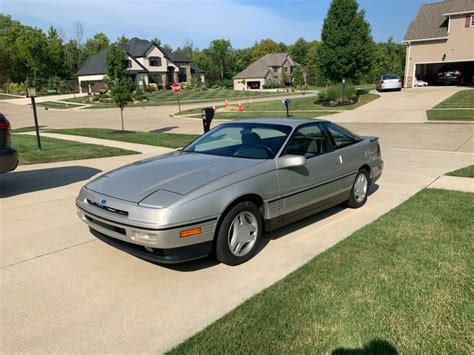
(207, 115)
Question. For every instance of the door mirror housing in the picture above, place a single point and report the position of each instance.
(290, 161)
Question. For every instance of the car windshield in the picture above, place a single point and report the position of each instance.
(242, 140)
(390, 76)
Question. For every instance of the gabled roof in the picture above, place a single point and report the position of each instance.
(431, 22)
(135, 48)
(263, 66)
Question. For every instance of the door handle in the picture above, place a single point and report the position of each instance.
(340, 158)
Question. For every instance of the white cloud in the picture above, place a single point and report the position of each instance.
(171, 21)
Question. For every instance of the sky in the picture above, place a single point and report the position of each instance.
(172, 21)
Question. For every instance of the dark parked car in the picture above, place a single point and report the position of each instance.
(449, 75)
(8, 155)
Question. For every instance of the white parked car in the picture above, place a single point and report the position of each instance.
(389, 82)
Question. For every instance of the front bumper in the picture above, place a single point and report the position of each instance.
(163, 256)
(8, 160)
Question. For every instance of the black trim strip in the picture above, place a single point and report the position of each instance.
(313, 187)
(377, 163)
(148, 229)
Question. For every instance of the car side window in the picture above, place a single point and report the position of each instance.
(341, 137)
(309, 141)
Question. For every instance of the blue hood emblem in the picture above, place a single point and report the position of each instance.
(103, 201)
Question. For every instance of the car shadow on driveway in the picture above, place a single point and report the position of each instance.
(204, 263)
(20, 182)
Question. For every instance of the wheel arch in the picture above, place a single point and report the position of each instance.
(252, 197)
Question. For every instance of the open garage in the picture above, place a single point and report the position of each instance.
(429, 72)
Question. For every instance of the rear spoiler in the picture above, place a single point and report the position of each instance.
(371, 138)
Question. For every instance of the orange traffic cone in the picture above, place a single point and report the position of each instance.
(226, 104)
(240, 107)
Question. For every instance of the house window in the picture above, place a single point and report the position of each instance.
(155, 62)
(472, 20)
(129, 63)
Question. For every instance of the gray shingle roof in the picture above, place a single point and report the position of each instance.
(261, 67)
(430, 21)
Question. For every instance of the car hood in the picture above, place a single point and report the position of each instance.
(177, 172)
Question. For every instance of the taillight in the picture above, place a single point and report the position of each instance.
(440, 74)
(5, 126)
(381, 81)
(399, 80)
(457, 73)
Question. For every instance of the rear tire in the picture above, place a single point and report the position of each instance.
(358, 196)
(239, 234)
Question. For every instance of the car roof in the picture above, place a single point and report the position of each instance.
(292, 122)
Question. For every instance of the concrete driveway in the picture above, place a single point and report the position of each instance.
(64, 291)
(406, 106)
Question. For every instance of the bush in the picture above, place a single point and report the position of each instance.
(16, 88)
(271, 84)
(152, 87)
(340, 92)
(138, 94)
(186, 86)
(225, 83)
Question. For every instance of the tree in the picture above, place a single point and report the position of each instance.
(299, 51)
(55, 53)
(298, 77)
(187, 49)
(263, 47)
(346, 42)
(220, 51)
(117, 79)
(121, 40)
(94, 45)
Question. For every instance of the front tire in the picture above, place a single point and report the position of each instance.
(358, 196)
(239, 234)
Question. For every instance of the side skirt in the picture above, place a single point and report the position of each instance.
(280, 221)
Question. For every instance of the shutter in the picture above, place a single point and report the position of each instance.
(468, 21)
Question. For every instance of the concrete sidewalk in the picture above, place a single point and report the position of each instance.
(455, 183)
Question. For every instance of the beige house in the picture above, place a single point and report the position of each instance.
(441, 36)
(278, 66)
(147, 63)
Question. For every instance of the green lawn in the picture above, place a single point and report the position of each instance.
(450, 115)
(461, 99)
(167, 97)
(253, 114)
(8, 97)
(298, 106)
(468, 171)
(403, 282)
(60, 150)
(170, 140)
(57, 105)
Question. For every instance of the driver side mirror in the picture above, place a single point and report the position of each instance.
(290, 161)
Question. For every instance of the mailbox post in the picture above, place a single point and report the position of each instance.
(207, 115)
(287, 103)
(32, 95)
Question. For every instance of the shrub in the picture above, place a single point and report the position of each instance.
(340, 92)
(271, 83)
(16, 88)
(153, 87)
(224, 83)
(186, 86)
(138, 94)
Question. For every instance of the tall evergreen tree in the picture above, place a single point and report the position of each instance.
(346, 48)
(55, 53)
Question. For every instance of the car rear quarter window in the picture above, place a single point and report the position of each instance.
(341, 137)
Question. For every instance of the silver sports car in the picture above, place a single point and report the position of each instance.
(222, 191)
